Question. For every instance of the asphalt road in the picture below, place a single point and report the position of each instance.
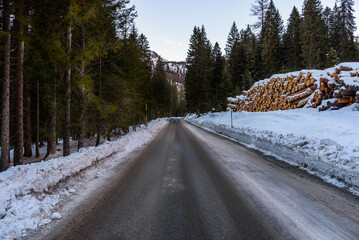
(191, 184)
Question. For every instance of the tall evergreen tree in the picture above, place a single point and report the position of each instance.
(346, 51)
(226, 88)
(249, 43)
(327, 15)
(237, 65)
(199, 68)
(291, 41)
(233, 37)
(313, 35)
(334, 28)
(159, 88)
(259, 9)
(272, 41)
(217, 76)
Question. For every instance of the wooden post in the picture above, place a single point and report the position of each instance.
(231, 117)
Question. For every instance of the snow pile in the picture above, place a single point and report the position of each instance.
(323, 143)
(28, 198)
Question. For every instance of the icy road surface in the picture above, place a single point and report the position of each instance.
(192, 184)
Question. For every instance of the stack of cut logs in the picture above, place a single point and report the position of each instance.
(293, 92)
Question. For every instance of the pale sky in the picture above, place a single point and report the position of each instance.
(168, 24)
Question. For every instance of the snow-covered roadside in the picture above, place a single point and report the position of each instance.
(325, 144)
(28, 199)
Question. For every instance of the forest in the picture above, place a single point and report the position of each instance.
(74, 70)
(78, 70)
(315, 38)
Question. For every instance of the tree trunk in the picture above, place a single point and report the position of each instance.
(67, 145)
(5, 120)
(51, 141)
(19, 83)
(100, 112)
(37, 118)
(81, 141)
(27, 123)
(98, 137)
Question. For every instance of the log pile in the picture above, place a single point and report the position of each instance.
(342, 95)
(297, 91)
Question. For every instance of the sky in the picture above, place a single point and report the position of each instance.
(168, 24)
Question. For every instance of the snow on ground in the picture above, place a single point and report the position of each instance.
(325, 144)
(29, 194)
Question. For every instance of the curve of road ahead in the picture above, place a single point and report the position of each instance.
(192, 184)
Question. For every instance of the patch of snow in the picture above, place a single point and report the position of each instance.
(31, 193)
(323, 143)
(56, 216)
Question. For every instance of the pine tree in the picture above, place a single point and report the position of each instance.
(225, 89)
(237, 65)
(327, 15)
(159, 88)
(313, 35)
(249, 43)
(334, 28)
(257, 68)
(233, 37)
(217, 75)
(144, 47)
(272, 44)
(291, 41)
(199, 68)
(259, 9)
(347, 28)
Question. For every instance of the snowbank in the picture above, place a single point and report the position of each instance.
(27, 199)
(323, 143)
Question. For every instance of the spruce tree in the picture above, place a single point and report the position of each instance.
(237, 65)
(225, 89)
(272, 41)
(313, 35)
(259, 9)
(160, 89)
(217, 75)
(257, 68)
(291, 41)
(233, 37)
(334, 28)
(199, 68)
(346, 51)
(249, 43)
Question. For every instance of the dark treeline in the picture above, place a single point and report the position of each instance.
(315, 38)
(74, 69)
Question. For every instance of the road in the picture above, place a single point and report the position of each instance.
(192, 184)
